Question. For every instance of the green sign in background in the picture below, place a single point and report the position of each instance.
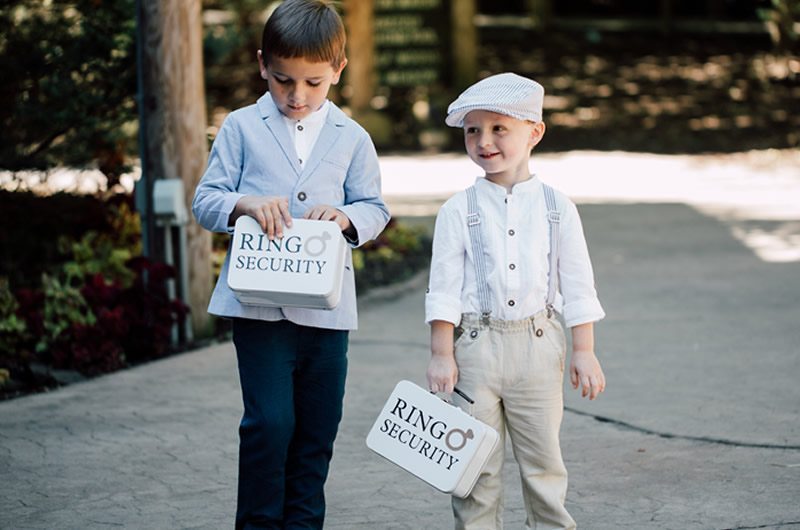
(412, 42)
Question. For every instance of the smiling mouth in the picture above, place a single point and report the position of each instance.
(487, 156)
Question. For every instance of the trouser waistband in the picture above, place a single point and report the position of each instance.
(473, 320)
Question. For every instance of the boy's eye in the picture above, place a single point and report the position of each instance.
(281, 80)
(471, 130)
(499, 128)
(313, 83)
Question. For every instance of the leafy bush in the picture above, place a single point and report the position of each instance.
(396, 255)
(68, 86)
(97, 307)
(33, 226)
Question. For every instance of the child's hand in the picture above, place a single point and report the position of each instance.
(585, 370)
(323, 212)
(268, 211)
(442, 373)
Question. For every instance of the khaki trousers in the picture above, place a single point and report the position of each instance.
(514, 371)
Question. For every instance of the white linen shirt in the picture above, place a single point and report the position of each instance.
(515, 235)
(304, 133)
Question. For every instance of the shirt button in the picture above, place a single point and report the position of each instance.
(302, 196)
(511, 303)
(299, 127)
(511, 232)
(512, 266)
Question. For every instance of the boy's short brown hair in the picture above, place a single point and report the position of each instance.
(311, 29)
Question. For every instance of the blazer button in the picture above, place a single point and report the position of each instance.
(302, 196)
(539, 332)
(511, 303)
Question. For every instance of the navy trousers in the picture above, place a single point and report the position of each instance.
(292, 381)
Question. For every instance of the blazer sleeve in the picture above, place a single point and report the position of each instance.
(363, 203)
(216, 195)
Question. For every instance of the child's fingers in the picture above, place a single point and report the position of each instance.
(283, 206)
(573, 377)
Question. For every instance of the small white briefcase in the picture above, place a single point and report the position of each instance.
(302, 269)
(432, 439)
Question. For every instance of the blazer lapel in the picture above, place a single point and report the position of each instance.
(327, 138)
(273, 119)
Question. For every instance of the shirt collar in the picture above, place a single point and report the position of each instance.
(315, 119)
(529, 186)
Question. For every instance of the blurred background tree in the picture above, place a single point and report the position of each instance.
(68, 84)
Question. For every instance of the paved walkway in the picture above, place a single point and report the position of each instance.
(699, 427)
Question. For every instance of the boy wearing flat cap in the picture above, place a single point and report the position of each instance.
(508, 254)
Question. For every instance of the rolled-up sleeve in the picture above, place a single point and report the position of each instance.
(443, 299)
(215, 196)
(576, 277)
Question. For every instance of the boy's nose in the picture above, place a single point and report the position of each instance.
(297, 93)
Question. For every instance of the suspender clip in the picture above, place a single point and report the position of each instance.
(553, 216)
(473, 219)
(550, 310)
(485, 317)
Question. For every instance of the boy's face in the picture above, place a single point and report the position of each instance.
(499, 144)
(298, 87)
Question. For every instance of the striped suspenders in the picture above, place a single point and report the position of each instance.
(476, 240)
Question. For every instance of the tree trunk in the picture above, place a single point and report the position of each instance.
(175, 121)
(360, 71)
(464, 43)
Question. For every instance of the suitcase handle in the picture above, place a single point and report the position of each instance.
(463, 395)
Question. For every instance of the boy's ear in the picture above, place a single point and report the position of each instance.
(537, 132)
(261, 66)
(338, 71)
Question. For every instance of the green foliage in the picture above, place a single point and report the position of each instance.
(104, 253)
(98, 304)
(64, 307)
(13, 330)
(68, 83)
(29, 247)
(396, 255)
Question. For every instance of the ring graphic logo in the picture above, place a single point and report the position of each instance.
(431, 439)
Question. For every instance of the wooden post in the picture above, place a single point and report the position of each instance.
(464, 43)
(360, 72)
(174, 108)
(541, 12)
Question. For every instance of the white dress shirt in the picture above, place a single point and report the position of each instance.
(304, 133)
(515, 234)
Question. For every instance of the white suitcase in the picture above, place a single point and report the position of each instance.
(302, 269)
(432, 439)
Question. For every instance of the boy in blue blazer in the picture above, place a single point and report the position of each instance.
(293, 154)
